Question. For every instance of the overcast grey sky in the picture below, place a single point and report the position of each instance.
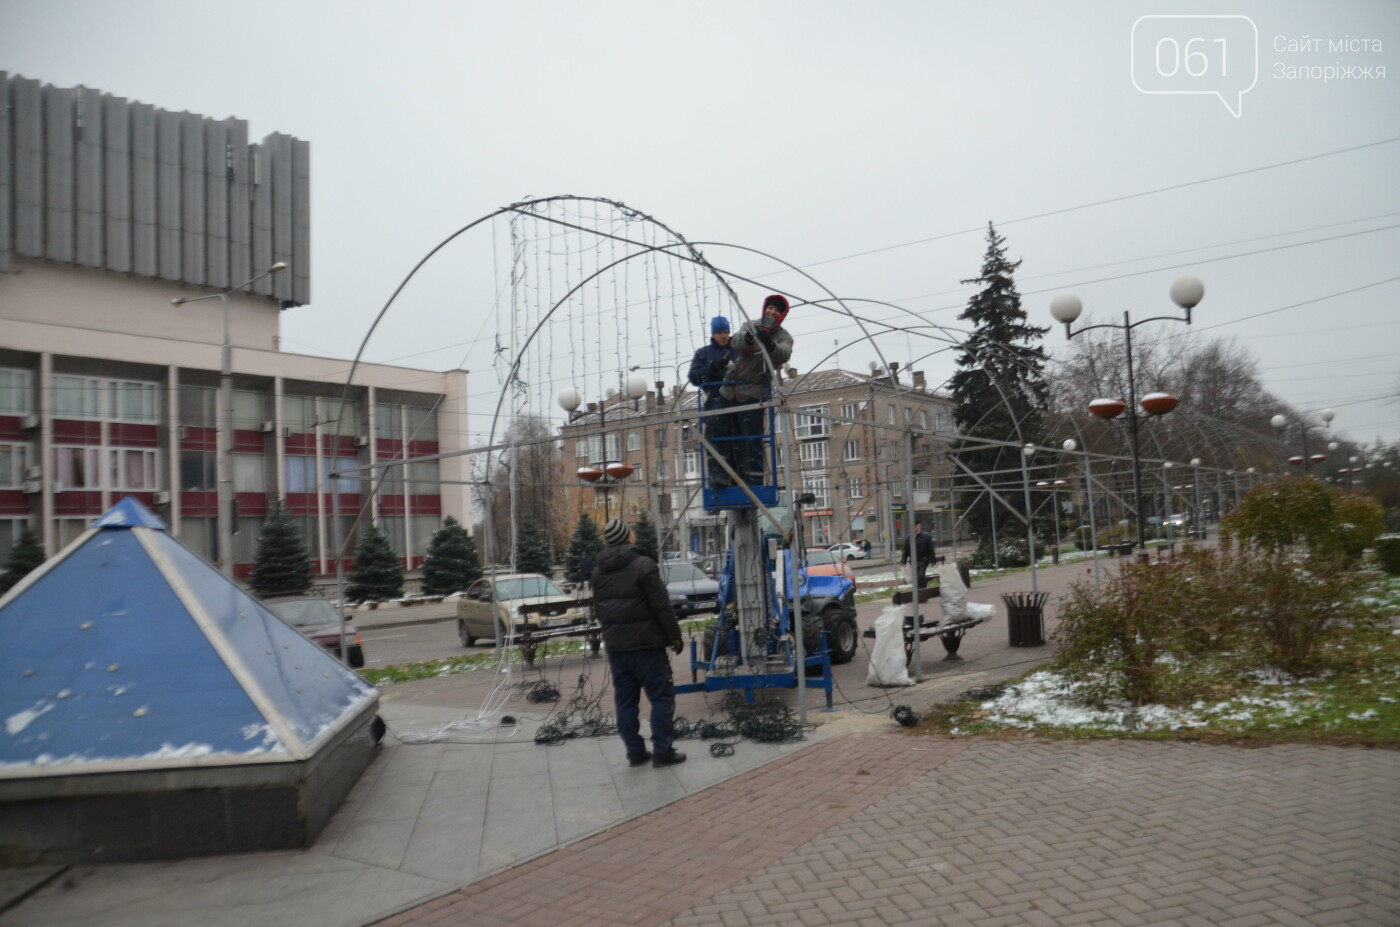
(818, 132)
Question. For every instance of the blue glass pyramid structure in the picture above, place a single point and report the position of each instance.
(128, 652)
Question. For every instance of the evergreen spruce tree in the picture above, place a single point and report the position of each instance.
(999, 386)
(377, 574)
(452, 562)
(26, 555)
(645, 533)
(586, 542)
(281, 563)
(532, 550)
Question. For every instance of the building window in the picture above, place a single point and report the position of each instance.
(581, 448)
(392, 526)
(299, 473)
(197, 406)
(639, 474)
(663, 469)
(817, 486)
(812, 422)
(346, 482)
(135, 401)
(892, 415)
(425, 477)
(850, 410)
(422, 424)
(14, 392)
(692, 465)
(812, 455)
(852, 450)
(614, 447)
(77, 468)
(299, 413)
(77, 397)
(855, 489)
(249, 472)
(634, 441)
(198, 471)
(661, 437)
(249, 411)
(201, 535)
(13, 459)
(923, 419)
(133, 469)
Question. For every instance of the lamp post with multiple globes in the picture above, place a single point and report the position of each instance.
(1187, 292)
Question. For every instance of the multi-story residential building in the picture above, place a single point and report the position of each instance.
(848, 430)
(108, 210)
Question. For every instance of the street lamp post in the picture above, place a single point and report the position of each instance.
(611, 472)
(1187, 292)
(1198, 529)
(1280, 422)
(1026, 453)
(1071, 446)
(224, 420)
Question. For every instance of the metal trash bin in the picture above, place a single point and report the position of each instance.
(1025, 616)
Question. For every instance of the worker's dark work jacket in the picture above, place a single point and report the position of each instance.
(631, 601)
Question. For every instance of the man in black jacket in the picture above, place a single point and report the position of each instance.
(922, 546)
(638, 625)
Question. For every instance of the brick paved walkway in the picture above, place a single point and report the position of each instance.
(891, 829)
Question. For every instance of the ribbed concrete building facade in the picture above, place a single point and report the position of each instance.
(109, 209)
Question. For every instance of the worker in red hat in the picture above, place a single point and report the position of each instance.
(762, 347)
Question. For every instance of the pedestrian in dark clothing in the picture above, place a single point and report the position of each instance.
(750, 379)
(638, 625)
(707, 371)
(585, 569)
(922, 546)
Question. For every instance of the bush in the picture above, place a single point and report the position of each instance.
(1133, 639)
(1360, 520)
(1010, 553)
(1388, 553)
(1285, 515)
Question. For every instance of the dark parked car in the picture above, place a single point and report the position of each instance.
(318, 619)
(691, 589)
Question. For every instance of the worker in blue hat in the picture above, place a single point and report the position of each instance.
(707, 372)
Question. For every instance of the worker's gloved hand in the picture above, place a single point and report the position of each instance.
(717, 368)
(765, 339)
(677, 646)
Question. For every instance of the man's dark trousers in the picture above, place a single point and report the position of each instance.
(719, 431)
(748, 430)
(632, 672)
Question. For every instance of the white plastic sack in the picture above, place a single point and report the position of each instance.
(981, 611)
(952, 594)
(887, 667)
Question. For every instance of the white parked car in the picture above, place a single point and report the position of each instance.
(848, 551)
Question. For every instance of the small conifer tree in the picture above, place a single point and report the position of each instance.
(452, 562)
(24, 558)
(532, 550)
(281, 564)
(377, 574)
(586, 542)
(645, 533)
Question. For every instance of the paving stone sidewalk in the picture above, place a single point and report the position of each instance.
(895, 829)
